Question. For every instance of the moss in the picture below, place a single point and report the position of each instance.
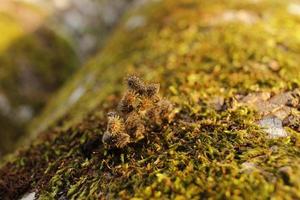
(197, 50)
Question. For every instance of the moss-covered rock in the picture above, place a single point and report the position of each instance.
(218, 62)
(34, 61)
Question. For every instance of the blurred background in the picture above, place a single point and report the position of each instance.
(42, 43)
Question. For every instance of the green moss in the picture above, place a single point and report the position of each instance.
(198, 52)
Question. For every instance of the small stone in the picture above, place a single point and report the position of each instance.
(276, 105)
(281, 99)
(273, 126)
(282, 112)
(254, 98)
(29, 196)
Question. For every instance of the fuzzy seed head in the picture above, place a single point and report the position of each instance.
(166, 110)
(140, 131)
(120, 140)
(135, 126)
(115, 124)
(131, 121)
(146, 103)
(141, 109)
(127, 103)
(136, 84)
(166, 106)
(161, 112)
(153, 115)
(152, 90)
(115, 134)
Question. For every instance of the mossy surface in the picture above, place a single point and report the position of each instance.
(198, 51)
(33, 63)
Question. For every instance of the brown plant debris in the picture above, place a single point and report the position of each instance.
(140, 111)
(280, 105)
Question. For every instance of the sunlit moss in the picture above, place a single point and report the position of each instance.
(197, 51)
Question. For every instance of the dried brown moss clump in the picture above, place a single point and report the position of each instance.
(140, 111)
